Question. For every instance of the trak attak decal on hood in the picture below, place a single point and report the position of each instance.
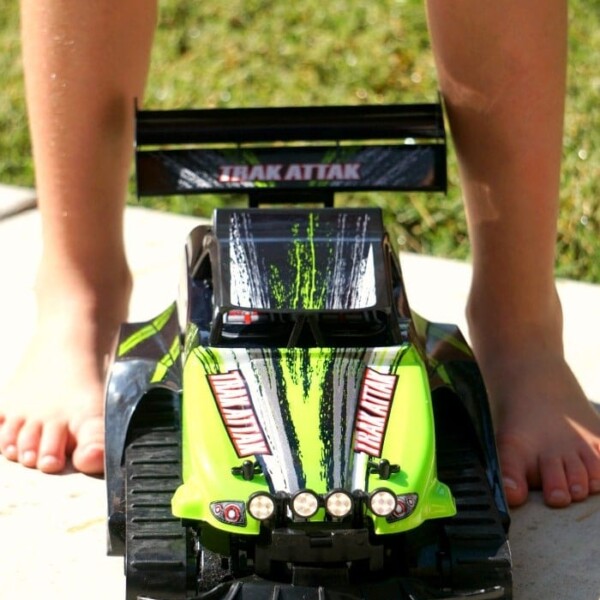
(235, 405)
(374, 405)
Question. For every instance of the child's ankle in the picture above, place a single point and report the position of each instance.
(499, 332)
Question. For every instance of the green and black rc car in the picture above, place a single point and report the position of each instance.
(290, 429)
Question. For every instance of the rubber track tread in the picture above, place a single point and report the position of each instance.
(156, 542)
(476, 537)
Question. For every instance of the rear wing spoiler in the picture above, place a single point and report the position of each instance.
(302, 151)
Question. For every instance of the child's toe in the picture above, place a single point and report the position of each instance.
(591, 459)
(577, 478)
(28, 442)
(9, 433)
(88, 456)
(53, 444)
(555, 484)
(515, 491)
(513, 475)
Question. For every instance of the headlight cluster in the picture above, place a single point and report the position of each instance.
(305, 504)
(338, 504)
(261, 506)
(382, 502)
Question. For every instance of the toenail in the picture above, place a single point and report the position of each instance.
(48, 463)
(28, 457)
(576, 490)
(595, 486)
(509, 483)
(559, 496)
(10, 452)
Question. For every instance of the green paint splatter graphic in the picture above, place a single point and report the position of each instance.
(307, 290)
(210, 359)
(304, 373)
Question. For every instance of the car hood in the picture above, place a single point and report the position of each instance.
(310, 418)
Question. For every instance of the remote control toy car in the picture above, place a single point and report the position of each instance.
(290, 428)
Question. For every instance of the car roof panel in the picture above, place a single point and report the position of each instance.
(301, 259)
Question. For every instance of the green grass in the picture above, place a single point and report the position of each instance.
(253, 53)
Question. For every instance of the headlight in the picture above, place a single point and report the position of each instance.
(305, 504)
(382, 502)
(339, 504)
(261, 506)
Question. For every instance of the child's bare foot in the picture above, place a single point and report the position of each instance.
(53, 408)
(548, 434)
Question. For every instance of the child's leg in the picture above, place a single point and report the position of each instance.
(502, 70)
(84, 64)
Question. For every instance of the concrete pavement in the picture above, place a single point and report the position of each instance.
(52, 528)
